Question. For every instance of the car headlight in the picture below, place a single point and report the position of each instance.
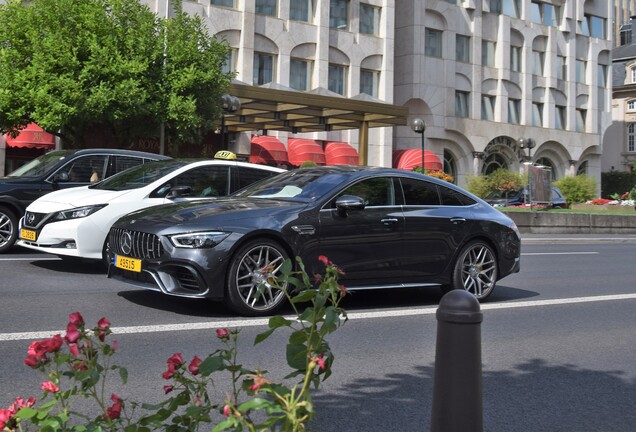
(79, 212)
(198, 240)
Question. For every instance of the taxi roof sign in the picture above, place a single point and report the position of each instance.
(225, 154)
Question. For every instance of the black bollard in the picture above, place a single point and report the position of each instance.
(457, 386)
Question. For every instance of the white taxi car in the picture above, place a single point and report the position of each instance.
(75, 222)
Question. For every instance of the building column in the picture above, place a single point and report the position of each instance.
(3, 154)
(572, 169)
(477, 156)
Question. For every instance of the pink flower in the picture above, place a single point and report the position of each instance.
(197, 401)
(38, 349)
(114, 411)
(76, 319)
(103, 324)
(227, 411)
(55, 343)
(115, 345)
(223, 333)
(72, 347)
(194, 365)
(170, 372)
(319, 360)
(167, 389)
(176, 359)
(258, 381)
(323, 259)
(32, 361)
(72, 333)
(5, 416)
(343, 290)
(48, 386)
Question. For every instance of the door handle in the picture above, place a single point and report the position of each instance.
(389, 221)
(457, 220)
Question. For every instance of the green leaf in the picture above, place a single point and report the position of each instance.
(226, 424)
(304, 296)
(279, 321)
(26, 413)
(211, 364)
(297, 356)
(262, 336)
(123, 374)
(254, 404)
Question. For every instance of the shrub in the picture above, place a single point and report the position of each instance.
(578, 189)
(478, 185)
(435, 173)
(504, 180)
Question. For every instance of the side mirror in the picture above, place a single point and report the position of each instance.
(347, 203)
(60, 177)
(179, 192)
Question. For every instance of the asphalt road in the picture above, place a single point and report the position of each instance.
(558, 341)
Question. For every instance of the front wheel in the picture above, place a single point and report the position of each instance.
(8, 229)
(250, 288)
(475, 270)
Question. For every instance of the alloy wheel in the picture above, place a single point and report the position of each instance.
(255, 275)
(478, 272)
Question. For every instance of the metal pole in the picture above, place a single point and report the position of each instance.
(423, 153)
(457, 385)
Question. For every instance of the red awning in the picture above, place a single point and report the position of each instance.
(340, 153)
(411, 158)
(32, 136)
(302, 150)
(268, 150)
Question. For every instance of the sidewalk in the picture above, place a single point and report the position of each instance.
(577, 238)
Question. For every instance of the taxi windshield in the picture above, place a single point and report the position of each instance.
(139, 176)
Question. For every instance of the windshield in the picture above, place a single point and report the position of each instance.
(139, 176)
(304, 184)
(41, 165)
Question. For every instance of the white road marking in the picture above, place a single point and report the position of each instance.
(30, 259)
(352, 316)
(561, 253)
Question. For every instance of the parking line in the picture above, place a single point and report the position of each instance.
(352, 316)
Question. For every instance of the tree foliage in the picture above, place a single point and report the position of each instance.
(68, 65)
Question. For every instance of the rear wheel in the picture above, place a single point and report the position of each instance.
(250, 290)
(8, 229)
(475, 270)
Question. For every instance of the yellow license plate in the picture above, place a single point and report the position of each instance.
(28, 234)
(130, 264)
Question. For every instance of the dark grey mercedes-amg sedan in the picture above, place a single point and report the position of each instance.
(385, 228)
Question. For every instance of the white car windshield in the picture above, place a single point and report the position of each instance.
(139, 176)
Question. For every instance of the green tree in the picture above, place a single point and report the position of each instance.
(70, 65)
(503, 180)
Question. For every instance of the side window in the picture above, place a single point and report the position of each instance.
(86, 169)
(451, 197)
(120, 163)
(419, 192)
(247, 176)
(375, 192)
(205, 181)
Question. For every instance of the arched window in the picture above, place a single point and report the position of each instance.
(549, 165)
(582, 170)
(494, 162)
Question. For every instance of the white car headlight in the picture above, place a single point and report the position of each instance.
(198, 240)
(78, 212)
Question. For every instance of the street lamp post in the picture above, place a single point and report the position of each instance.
(527, 143)
(230, 104)
(419, 127)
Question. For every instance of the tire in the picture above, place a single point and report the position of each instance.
(8, 229)
(248, 291)
(475, 270)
